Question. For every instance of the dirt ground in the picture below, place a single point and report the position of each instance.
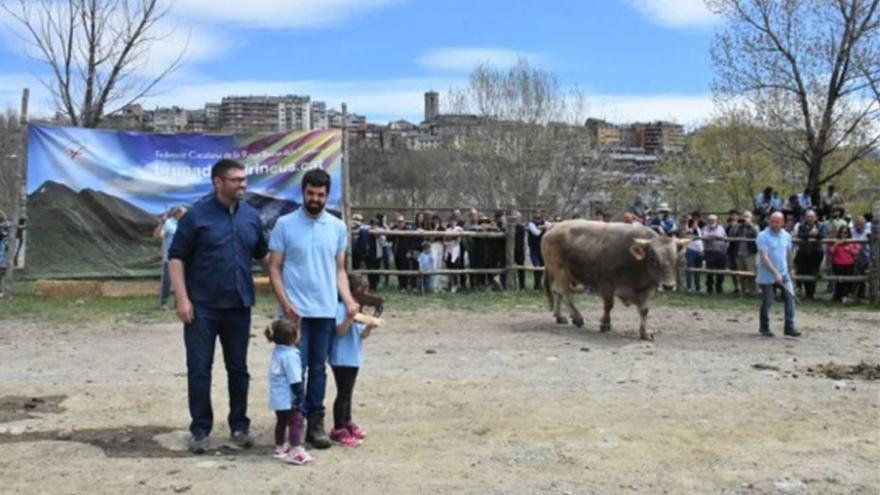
(466, 402)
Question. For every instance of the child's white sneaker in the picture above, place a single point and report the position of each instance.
(298, 456)
(281, 451)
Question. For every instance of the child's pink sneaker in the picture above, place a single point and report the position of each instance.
(281, 451)
(344, 438)
(298, 456)
(355, 430)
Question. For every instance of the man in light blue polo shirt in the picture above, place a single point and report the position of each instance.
(774, 259)
(307, 270)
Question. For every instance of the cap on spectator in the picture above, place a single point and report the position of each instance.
(663, 207)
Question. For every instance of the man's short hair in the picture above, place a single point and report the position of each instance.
(223, 166)
(733, 211)
(316, 178)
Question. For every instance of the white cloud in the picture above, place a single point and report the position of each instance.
(676, 13)
(690, 110)
(198, 43)
(277, 13)
(11, 85)
(465, 58)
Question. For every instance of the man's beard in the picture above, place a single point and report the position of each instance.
(314, 207)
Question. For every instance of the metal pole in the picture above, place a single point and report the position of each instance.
(346, 187)
(19, 204)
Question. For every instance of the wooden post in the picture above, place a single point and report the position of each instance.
(346, 188)
(509, 249)
(874, 280)
(19, 200)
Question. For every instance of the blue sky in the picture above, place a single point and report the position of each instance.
(634, 59)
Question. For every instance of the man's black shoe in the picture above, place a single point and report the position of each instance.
(199, 445)
(242, 439)
(766, 333)
(792, 333)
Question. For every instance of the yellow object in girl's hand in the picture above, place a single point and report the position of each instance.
(367, 319)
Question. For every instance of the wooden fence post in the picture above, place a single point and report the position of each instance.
(346, 188)
(19, 204)
(509, 247)
(874, 281)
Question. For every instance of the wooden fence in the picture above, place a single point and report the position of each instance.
(871, 276)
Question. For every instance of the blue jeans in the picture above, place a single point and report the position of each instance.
(233, 326)
(694, 259)
(386, 264)
(537, 260)
(767, 301)
(716, 261)
(316, 336)
(164, 285)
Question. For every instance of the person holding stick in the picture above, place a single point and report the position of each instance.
(775, 251)
(346, 358)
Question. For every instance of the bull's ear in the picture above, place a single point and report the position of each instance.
(682, 244)
(638, 252)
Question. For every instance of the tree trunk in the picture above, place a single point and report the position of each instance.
(813, 178)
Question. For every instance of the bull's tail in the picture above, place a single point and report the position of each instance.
(548, 282)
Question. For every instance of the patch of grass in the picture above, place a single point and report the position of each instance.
(477, 301)
(30, 307)
(26, 306)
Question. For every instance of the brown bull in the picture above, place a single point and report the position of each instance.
(616, 259)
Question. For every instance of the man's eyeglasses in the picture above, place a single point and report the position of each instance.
(235, 180)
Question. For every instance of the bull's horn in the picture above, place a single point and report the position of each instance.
(682, 242)
(642, 242)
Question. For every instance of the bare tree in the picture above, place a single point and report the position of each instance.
(810, 70)
(528, 146)
(402, 177)
(97, 51)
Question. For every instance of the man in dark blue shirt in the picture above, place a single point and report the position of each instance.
(210, 263)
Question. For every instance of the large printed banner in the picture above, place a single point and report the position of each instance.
(156, 171)
(95, 196)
